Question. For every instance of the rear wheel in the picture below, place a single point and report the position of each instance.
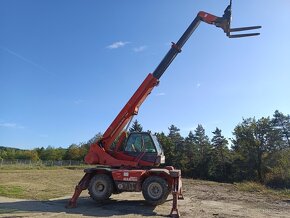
(155, 190)
(100, 187)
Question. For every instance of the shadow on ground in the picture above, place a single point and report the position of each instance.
(86, 207)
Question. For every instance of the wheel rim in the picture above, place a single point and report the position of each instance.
(155, 190)
(99, 187)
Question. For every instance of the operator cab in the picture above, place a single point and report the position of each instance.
(144, 146)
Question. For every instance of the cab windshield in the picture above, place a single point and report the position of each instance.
(140, 142)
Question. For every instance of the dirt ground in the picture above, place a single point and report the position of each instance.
(202, 199)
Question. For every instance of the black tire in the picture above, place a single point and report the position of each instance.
(100, 187)
(155, 190)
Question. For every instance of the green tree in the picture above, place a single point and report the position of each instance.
(40, 152)
(136, 127)
(84, 149)
(11, 154)
(176, 138)
(191, 153)
(279, 173)
(220, 159)
(281, 122)
(168, 147)
(51, 153)
(3, 154)
(179, 157)
(253, 141)
(203, 146)
(74, 152)
(27, 155)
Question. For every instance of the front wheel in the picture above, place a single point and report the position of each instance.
(155, 190)
(100, 187)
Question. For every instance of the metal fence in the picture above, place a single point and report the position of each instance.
(4, 162)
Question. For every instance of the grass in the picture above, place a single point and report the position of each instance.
(39, 184)
(11, 191)
(39, 167)
(43, 183)
(259, 188)
(7, 210)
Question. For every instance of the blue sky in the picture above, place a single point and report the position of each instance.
(68, 67)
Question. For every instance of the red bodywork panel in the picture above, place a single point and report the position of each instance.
(128, 180)
(128, 175)
(99, 151)
(207, 17)
(97, 155)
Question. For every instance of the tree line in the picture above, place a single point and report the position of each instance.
(258, 151)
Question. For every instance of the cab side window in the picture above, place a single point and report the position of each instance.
(134, 143)
(148, 144)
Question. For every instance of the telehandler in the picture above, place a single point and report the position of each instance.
(133, 163)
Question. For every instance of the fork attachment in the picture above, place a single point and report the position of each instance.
(224, 22)
(243, 29)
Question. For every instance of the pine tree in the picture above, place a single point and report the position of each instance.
(179, 159)
(203, 145)
(136, 127)
(191, 153)
(220, 161)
